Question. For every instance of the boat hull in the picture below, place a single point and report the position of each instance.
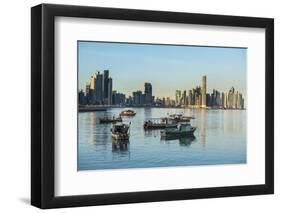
(159, 126)
(127, 114)
(178, 133)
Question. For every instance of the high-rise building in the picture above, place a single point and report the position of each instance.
(137, 98)
(178, 97)
(81, 97)
(92, 82)
(190, 98)
(129, 100)
(222, 100)
(208, 99)
(92, 85)
(118, 98)
(231, 98)
(109, 91)
(114, 92)
(98, 88)
(184, 98)
(87, 89)
(148, 93)
(105, 86)
(225, 100)
(204, 90)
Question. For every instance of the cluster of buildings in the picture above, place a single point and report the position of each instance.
(199, 98)
(99, 92)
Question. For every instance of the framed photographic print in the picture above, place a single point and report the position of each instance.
(140, 106)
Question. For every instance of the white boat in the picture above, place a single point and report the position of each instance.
(159, 123)
(127, 113)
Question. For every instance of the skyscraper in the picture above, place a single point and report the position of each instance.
(190, 98)
(204, 88)
(231, 98)
(178, 97)
(109, 92)
(184, 98)
(98, 91)
(105, 86)
(137, 98)
(148, 93)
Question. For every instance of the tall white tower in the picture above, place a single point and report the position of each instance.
(204, 89)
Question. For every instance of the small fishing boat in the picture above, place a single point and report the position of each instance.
(127, 113)
(159, 123)
(180, 118)
(183, 130)
(120, 132)
(106, 120)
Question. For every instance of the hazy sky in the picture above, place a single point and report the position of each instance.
(167, 67)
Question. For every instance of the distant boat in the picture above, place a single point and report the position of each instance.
(121, 132)
(159, 123)
(180, 118)
(127, 113)
(184, 129)
(107, 120)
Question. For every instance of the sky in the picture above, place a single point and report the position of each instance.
(167, 67)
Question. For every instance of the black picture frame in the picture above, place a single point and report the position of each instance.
(43, 105)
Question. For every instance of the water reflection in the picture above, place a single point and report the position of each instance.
(233, 122)
(202, 127)
(220, 138)
(120, 149)
(122, 146)
(183, 141)
(152, 133)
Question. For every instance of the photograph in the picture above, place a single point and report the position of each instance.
(144, 105)
(139, 105)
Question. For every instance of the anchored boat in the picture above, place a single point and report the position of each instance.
(120, 132)
(182, 130)
(127, 113)
(159, 123)
(180, 118)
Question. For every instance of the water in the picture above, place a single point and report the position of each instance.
(220, 138)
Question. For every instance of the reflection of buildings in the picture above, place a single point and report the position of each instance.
(121, 149)
(234, 122)
(89, 122)
(202, 127)
(119, 146)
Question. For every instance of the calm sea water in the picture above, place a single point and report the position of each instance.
(220, 138)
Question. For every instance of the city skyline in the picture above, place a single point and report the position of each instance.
(99, 91)
(179, 67)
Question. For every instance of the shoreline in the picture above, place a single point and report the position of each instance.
(94, 108)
